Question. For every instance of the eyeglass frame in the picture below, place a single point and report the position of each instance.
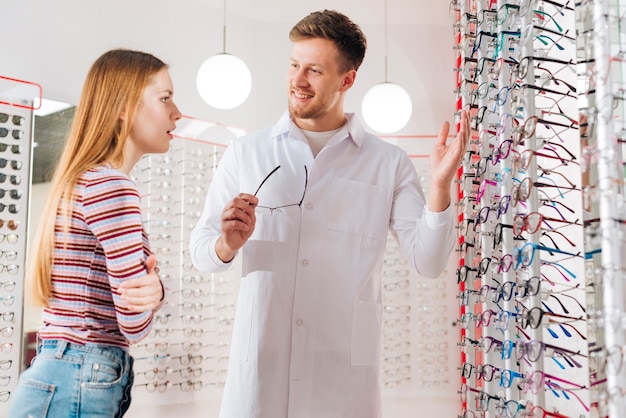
(272, 209)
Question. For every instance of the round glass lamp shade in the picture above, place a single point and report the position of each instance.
(224, 81)
(386, 107)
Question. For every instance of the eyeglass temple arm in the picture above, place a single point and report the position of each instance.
(265, 179)
(306, 183)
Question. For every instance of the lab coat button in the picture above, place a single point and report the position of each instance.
(309, 206)
(299, 322)
(304, 263)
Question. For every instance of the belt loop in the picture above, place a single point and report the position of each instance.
(38, 343)
(60, 348)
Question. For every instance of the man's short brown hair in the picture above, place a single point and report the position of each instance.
(336, 27)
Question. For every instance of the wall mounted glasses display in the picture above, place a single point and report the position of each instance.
(541, 195)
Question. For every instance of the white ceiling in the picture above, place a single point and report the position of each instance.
(53, 43)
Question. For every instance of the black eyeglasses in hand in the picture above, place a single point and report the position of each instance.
(272, 209)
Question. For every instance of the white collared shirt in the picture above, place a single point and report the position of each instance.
(307, 333)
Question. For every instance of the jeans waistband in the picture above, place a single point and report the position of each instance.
(62, 346)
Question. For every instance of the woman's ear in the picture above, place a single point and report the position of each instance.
(123, 115)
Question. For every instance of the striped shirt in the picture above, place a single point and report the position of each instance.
(105, 245)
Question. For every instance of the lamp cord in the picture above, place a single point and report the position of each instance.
(224, 35)
(385, 41)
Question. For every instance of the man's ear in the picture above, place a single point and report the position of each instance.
(348, 80)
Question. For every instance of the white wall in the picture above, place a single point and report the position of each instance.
(53, 43)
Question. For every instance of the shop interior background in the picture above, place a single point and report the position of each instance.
(54, 43)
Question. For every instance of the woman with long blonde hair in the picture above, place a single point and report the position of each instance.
(91, 268)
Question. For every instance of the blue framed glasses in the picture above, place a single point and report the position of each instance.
(525, 255)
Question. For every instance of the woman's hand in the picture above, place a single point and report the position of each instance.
(143, 293)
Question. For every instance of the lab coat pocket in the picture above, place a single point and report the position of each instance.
(366, 329)
(360, 208)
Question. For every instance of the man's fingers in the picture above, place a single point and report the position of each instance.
(465, 125)
(443, 132)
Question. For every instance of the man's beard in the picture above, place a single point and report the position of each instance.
(312, 112)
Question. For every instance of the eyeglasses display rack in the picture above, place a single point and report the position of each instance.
(186, 354)
(601, 46)
(16, 139)
(418, 336)
(524, 297)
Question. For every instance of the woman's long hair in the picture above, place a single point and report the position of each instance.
(113, 87)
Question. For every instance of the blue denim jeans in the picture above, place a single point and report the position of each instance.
(68, 380)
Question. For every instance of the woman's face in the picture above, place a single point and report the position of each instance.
(156, 116)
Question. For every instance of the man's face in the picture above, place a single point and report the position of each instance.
(314, 80)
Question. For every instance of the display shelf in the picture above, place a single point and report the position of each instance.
(186, 354)
(521, 257)
(16, 133)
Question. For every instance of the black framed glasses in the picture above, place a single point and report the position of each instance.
(13, 194)
(533, 317)
(485, 372)
(498, 233)
(15, 149)
(17, 120)
(13, 208)
(273, 209)
(13, 179)
(480, 116)
(486, 16)
(481, 64)
(463, 272)
(15, 133)
(478, 39)
(15, 165)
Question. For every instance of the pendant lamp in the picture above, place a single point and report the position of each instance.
(224, 80)
(386, 107)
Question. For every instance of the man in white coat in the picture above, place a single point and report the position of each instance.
(309, 202)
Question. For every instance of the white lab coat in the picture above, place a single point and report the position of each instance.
(307, 332)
